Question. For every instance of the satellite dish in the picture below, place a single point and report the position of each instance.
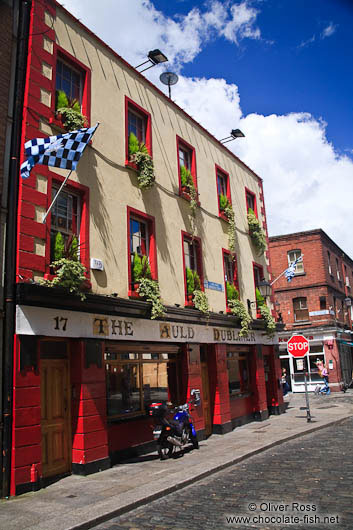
(169, 79)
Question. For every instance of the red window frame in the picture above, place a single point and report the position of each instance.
(226, 255)
(223, 174)
(83, 192)
(60, 53)
(260, 269)
(185, 236)
(152, 248)
(250, 194)
(131, 105)
(182, 144)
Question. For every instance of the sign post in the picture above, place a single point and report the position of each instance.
(298, 347)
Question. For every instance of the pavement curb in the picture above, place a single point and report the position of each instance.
(183, 484)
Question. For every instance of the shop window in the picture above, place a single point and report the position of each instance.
(250, 201)
(300, 309)
(192, 263)
(238, 373)
(322, 303)
(230, 274)
(142, 248)
(74, 79)
(292, 256)
(186, 167)
(138, 124)
(223, 190)
(135, 380)
(69, 218)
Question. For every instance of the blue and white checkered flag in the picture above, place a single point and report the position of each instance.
(290, 272)
(63, 150)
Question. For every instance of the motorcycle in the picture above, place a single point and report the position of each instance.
(178, 432)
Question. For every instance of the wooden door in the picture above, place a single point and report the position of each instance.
(55, 419)
(206, 405)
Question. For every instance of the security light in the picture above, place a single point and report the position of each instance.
(234, 134)
(154, 57)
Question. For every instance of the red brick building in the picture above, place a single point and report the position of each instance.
(317, 303)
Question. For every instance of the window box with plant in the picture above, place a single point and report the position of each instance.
(256, 232)
(139, 155)
(145, 287)
(265, 314)
(238, 309)
(196, 297)
(68, 112)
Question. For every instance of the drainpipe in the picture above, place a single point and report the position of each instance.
(22, 11)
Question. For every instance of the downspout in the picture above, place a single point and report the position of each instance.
(22, 9)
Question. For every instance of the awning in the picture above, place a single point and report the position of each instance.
(345, 342)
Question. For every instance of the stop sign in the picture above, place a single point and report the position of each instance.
(298, 346)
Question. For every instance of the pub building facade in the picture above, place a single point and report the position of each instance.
(85, 370)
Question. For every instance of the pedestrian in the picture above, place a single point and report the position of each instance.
(285, 385)
(323, 372)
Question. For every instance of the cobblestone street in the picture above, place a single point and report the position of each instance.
(304, 480)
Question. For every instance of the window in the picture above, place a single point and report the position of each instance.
(335, 306)
(338, 270)
(329, 263)
(135, 379)
(138, 123)
(69, 223)
(292, 256)
(322, 303)
(258, 276)
(300, 309)
(346, 277)
(192, 261)
(73, 78)
(69, 80)
(230, 273)
(141, 236)
(250, 201)
(187, 160)
(223, 190)
(65, 222)
(238, 373)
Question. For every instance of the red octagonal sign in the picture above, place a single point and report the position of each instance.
(298, 346)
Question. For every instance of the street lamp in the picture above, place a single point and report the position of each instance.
(234, 134)
(154, 57)
(265, 289)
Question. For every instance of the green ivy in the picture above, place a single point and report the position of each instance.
(140, 268)
(257, 234)
(238, 310)
(149, 290)
(70, 275)
(140, 156)
(270, 324)
(232, 293)
(190, 281)
(201, 302)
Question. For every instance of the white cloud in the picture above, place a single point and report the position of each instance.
(329, 30)
(303, 175)
(146, 28)
(305, 43)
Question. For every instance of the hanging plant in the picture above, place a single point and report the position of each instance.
(188, 186)
(227, 209)
(257, 234)
(238, 309)
(70, 275)
(149, 290)
(69, 112)
(190, 282)
(201, 302)
(139, 154)
(270, 324)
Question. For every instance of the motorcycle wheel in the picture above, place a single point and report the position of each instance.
(194, 441)
(165, 450)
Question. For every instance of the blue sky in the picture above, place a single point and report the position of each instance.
(280, 70)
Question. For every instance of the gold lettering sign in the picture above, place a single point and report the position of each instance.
(164, 331)
(100, 326)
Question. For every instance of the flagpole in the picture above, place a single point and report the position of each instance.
(56, 196)
(278, 277)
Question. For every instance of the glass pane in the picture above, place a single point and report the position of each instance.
(123, 388)
(233, 376)
(155, 382)
(300, 366)
(314, 370)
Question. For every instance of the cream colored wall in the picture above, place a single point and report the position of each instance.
(113, 187)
